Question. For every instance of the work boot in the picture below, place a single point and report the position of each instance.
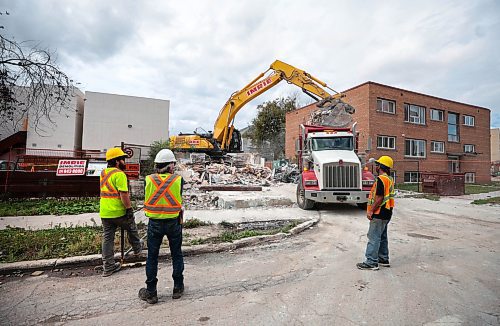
(147, 296)
(366, 266)
(107, 272)
(178, 291)
(139, 250)
(383, 263)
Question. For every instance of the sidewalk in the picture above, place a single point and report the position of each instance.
(272, 203)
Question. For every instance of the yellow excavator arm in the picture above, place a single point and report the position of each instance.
(224, 127)
(222, 140)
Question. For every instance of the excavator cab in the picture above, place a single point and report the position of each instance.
(235, 143)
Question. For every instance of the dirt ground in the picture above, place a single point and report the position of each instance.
(444, 270)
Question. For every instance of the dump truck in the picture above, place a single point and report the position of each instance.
(331, 170)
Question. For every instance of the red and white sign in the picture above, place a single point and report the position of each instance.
(194, 142)
(132, 170)
(71, 167)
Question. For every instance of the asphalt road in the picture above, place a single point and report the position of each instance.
(445, 271)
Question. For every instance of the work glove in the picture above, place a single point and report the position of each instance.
(130, 214)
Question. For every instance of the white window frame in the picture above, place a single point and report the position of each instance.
(469, 120)
(412, 143)
(386, 142)
(470, 177)
(415, 174)
(419, 118)
(436, 110)
(469, 148)
(386, 106)
(433, 147)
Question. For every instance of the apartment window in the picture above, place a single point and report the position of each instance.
(469, 148)
(59, 146)
(453, 127)
(386, 142)
(437, 147)
(412, 177)
(469, 120)
(414, 148)
(470, 177)
(386, 106)
(33, 145)
(437, 115)
(415, 114)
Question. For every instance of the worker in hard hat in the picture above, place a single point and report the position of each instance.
(163, 207)
(379, 212)
(116, 210)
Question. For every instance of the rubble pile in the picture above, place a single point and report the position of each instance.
(202, 174)
(335, 114)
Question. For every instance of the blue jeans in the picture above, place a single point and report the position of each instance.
(157, 228)
(377, 247)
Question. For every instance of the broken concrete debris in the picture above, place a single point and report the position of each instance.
(335, 114)
(237, 173)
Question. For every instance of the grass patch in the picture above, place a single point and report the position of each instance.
(408, 186)
(19, 244)
(492, 200)
(480, 189)
(48, 207)
(194, 223)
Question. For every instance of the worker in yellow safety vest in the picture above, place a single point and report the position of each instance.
(163, 207)
(379, 212)
(116, 210)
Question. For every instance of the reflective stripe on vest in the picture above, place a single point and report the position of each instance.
(111, 192)
(171, 206)
(388, 200)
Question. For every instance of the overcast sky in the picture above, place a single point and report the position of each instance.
(197, 53)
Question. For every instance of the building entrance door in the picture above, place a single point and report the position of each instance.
(453, 164)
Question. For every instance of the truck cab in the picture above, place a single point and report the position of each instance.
(332, 172)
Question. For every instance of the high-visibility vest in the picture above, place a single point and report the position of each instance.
(163, 196)
(111, 205)
(388, 194)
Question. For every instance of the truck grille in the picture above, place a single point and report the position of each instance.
(344, 176)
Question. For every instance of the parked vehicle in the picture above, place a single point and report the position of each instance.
(331, 170)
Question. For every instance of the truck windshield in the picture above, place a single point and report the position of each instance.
(325, 144)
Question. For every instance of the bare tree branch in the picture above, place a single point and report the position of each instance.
(31, 82)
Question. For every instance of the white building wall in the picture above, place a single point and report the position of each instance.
(111, 119)
(63, 133)
(495, 144)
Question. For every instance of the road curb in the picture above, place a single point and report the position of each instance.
(94, 260)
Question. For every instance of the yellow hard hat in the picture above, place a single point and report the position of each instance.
(114, 153)
(386, 161)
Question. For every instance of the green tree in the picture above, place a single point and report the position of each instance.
(267, 130)
(155, 147)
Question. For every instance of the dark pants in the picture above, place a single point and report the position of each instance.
(108, 240)
(157, 228)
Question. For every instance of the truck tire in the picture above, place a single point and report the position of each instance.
(362, 205)
(302, 201)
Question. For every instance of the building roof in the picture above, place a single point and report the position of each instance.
(405, 90)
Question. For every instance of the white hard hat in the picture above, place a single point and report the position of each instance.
(165, 156)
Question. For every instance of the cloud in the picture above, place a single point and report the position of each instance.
(197, 53)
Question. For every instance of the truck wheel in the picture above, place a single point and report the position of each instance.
(362, 205)
(302, 201)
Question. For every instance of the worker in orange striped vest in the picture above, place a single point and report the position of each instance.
(163, 207)
(116, 210)
(379, 212)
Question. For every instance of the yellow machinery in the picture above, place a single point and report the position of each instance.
(225, 138)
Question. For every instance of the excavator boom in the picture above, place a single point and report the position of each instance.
(225, 138)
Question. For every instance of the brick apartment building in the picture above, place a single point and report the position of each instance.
(420, 132)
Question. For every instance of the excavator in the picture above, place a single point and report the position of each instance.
(225, 138)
